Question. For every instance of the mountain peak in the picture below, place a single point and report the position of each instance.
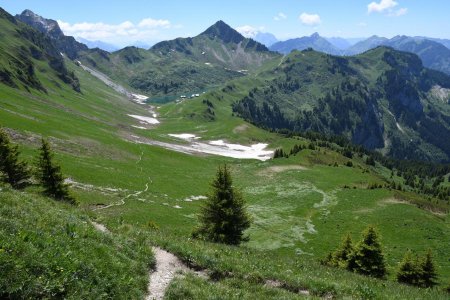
(224, 32)
(46, 26)
(315, 35)
(29, 13)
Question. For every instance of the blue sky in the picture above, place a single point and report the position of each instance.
(125, 22)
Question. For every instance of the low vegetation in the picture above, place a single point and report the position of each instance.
(50, 250)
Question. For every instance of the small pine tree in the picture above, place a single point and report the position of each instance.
(342, 255)
(409, 271)
(428, 271)
(223, 218)
(279, 153)
(368, 259)
(51, 177)
(370, 161)
(14, 171)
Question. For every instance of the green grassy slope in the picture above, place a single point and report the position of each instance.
(51, 250)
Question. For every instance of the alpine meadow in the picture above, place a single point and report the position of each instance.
(211, 159)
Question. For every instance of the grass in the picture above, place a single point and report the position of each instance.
(51, 250)
(252, 268)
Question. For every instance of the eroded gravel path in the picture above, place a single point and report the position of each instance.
(167, 267)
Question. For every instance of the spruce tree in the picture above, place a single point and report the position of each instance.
(342, 255)
(409, 271)
(13, 171)
(368, 259)
(223, 218)
(428, 271)
(51, 177)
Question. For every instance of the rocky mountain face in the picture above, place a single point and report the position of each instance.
(65, 44)
(22, 49)
(383, 99)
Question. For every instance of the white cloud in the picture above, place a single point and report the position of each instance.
(123, 33)
(399, 12)
(152, 23)
(249, 31)
(362, 24)
(387, 7)
(310, 19)
(381, 6)
(280, 16)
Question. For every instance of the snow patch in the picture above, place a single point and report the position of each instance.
(399, 127)
(147, 120)
(219, 147)
(195, 198)
(184, 136)
(138, 127)
(139, 98)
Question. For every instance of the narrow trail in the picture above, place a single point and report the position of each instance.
(168, 266)
(135, 194)
(122, 201)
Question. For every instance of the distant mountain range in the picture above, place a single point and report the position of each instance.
(169, 68)
(433, 52)
(315, 41)
(184, 65)
(265, 38)
(98, 44)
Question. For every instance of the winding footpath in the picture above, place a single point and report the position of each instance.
(167, 267)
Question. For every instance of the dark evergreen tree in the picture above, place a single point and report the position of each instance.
(368, 259)
(370, 161)
(13, 171)
(51, 177)
(428, 271)
(223, 218)
(409, 271)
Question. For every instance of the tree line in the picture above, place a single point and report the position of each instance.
(367, 258)
(422, 177)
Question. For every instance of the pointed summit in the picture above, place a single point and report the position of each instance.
(315, 35)
(50, 28)
(224, 32)
(46, 26)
